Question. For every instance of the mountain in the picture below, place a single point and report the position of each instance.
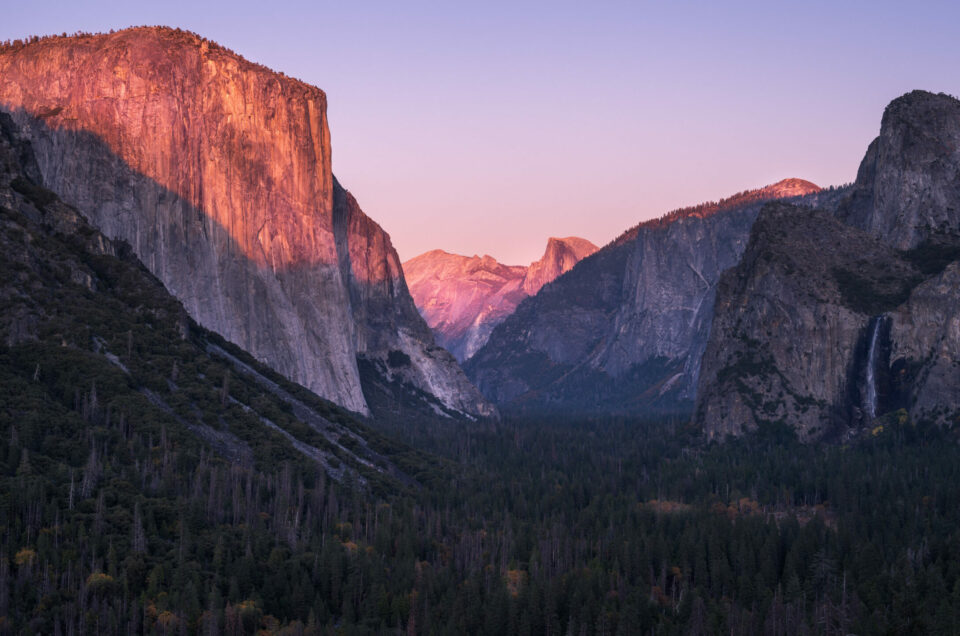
(218, 173)
(90, 338)
(463, 298)
(625, 329)
(833, 319)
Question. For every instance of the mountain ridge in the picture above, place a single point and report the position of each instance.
(625, 328)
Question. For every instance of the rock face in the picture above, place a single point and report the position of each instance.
(921, 370)
(908, 184)
(91, 312)
(824, 327)
(625, 329)
(463, 298)
(792, 326)
(218, 172)
(559, 258)
(831, 321)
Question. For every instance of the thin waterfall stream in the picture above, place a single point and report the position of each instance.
(870, 401)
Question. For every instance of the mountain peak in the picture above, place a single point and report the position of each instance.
(906, 184)
(909, 105)
(463, 298)
(558, 258)
(791, 187)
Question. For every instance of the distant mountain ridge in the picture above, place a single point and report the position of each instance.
(463, 298)
(625, 329)
(783, 189)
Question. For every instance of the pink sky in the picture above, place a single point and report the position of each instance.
(488, 128)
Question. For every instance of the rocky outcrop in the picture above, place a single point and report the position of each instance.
(791, 324)
(824, 327)
(218, 173)
(832, 320)
(463, 298)
(625, 329)
(908, 185)
(395, 348)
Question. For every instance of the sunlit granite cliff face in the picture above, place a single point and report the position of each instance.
(559, 258)
(625, 329)
(832, 320)
(463, 298)
(218, 173)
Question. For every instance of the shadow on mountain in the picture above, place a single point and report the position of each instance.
(315, 323)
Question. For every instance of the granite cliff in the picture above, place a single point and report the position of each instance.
(218, 173)
(834, 319)
(908, 184)
(463, 298)
(90, 339)
(625, 329)
(558, 258)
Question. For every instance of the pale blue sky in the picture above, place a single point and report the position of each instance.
(487, 127)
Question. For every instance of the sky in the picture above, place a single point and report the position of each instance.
(487, 127)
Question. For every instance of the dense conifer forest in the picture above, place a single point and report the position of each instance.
(605, 527)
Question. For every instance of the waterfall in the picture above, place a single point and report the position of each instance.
(870, 401)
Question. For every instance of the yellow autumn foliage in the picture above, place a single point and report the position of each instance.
(25, 556)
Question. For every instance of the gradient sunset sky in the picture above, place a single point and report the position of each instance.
(484, 128)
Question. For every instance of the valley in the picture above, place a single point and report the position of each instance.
(227, 407)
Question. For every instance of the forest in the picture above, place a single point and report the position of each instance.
(156, 479)
(528, 527)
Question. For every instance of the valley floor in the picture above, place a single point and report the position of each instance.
(526, 527)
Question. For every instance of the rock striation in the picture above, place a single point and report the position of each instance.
(625, 329)
(218, 173)
(463, 298)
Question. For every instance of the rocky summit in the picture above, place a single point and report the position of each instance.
(908, 184)
(463, 298)
(218, 173)
(625, 329)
